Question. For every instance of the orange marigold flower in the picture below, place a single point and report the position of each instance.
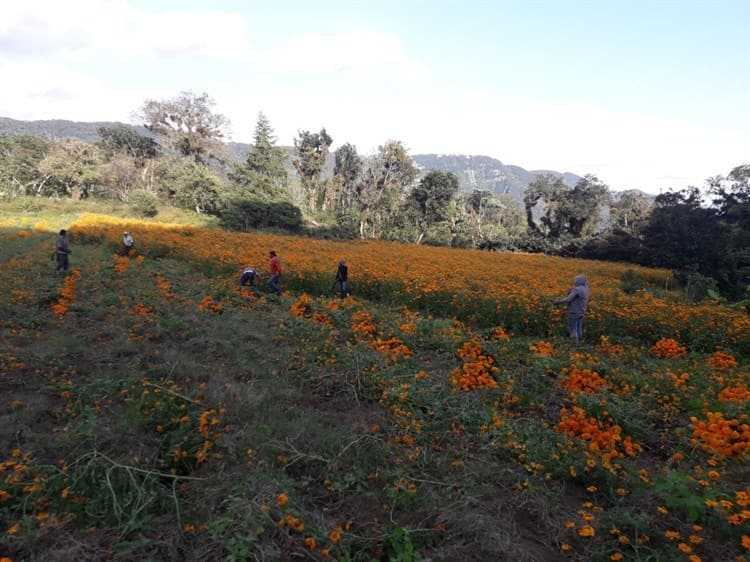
(667, 347)
(310, 543)
(721, 361)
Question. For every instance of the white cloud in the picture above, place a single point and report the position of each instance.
(359, 51)
(363, 86)
(42, 90)
(88, 28)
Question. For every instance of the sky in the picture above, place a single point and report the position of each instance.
(646, 94)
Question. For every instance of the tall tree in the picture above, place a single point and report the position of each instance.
(428, 202)
(543, 196)
(684, 235)
(347, 170)
(264, 170)
(581, 207)
(131, 160)
(19, 164)
(383, 187)
(311, 150)
(491, 217)
(575, 212)
(122, 138)
(629, 212)
(74, 169)
(188, 124)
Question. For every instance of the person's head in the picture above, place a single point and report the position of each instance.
(579, 280)
(272, 254)
(125, 233)
(63, 232)
(342, 261)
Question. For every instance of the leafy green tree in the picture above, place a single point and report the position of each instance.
(383, 186)
(19, 165)
(491, 217)
(543, 196)
(124, 139)
(244, 214)
(130, 161)
(190, 185)
(311, 150)
(188, 125)
(683, 235)
(74, 169)
(731, 199)
(427, 203)
(347, 171)
(575, 212)
(264, 172)
(629, 212)
(580, 209)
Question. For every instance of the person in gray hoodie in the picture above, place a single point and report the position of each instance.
(577, 301)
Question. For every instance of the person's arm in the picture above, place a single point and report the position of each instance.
(571, 295)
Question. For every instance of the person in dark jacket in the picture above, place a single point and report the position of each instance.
(577, 301)
(342, 278)
(62, 250)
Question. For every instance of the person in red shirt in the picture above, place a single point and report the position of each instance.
(274, 271)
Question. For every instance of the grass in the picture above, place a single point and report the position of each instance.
(166, 414)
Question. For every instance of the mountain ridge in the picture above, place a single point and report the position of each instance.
(473, 171)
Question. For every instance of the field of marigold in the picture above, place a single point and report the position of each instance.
(155, 409)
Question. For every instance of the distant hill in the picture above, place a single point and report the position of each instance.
(58, 129)
(484, 172)
(474, 172)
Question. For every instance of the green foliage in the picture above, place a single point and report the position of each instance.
(122, 138)
(264, 171)
(428, 202)
(631, 282)
(73, 169)
(144, 203)
(565, 211)
(245, 213)
(190, 185)
(19, 165)
(188, 125)
(383, 188)
(699, 287)
(311, 150)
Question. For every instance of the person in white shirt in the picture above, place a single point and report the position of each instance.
(128, 243)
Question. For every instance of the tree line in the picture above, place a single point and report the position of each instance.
(185, 162)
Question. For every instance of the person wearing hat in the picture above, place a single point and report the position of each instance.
(342, 277)
(128, 243)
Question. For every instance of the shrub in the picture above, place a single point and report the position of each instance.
(246, 213)
(630, 282)
(144, 202)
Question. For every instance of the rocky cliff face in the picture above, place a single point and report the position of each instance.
(484, 172)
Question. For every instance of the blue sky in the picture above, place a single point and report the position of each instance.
(650, 95)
